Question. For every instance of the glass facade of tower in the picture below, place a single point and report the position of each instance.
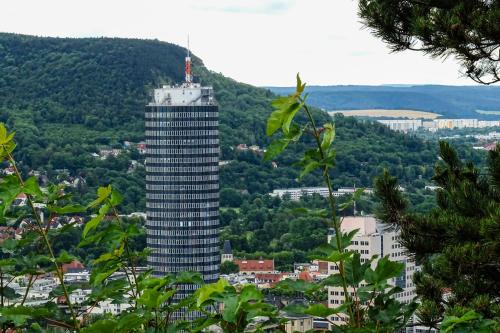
(182, 188)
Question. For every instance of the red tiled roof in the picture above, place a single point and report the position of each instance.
(271, 278)
(305, 276)
(72, 265)
(268, 277)
(255, 265)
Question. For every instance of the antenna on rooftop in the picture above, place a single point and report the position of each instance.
(189, 77)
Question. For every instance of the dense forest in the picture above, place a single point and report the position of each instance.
(70, 98)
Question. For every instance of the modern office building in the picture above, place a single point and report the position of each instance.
(182, 181)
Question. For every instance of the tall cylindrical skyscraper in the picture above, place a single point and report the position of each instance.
(182, 182)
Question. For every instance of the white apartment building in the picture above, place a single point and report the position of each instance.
(403, 125)
(373, 239)
(297, 193)
(488, 123)
(455, 123)
(408, 125)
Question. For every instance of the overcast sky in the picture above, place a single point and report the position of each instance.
(259, 42)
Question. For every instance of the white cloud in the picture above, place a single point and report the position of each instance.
(254, 41)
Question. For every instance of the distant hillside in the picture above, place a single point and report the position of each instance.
(104, 83)
(67, 98)
(449, 101)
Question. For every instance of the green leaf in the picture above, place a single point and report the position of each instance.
(103, 325)
(295, 309)
(346, 239)
(20, 314)
(10, 188)
(354, 271)
(274, 122)
(299, 87)
(189, 277)
(116, 198)
(153, 298)
(308, 168)
(35, 327)
(328, 136)
(201, 324)
(282, 103)
(320, 310)
(97, 277)
(68, 209)
(333, 280)
(103, 193)
(275, 148)
(352, 198)
(471, 322)
(230, 308)
(92, 224)
(297, 286)
(250, 293)
(203, 293)
(385, 269)
(129, 322)
(288, 116)
(64, 257)
(96, 220)
(294, 133)
(31, 187)
(337, 256)
(3, 133)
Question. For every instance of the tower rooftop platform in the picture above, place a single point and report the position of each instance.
(183, 95)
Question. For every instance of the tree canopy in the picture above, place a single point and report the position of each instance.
(466, 29)
(456, 244)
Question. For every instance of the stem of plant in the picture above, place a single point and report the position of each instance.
(135, 287)
(331, 199)
(39, 223)
(30, 281)
(1, 286)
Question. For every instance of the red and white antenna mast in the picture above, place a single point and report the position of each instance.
(189, 76)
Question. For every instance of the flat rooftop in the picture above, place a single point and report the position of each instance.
(183, 95)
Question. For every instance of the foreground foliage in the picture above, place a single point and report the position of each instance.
(466, 29)
(457, 244)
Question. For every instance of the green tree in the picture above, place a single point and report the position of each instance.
(229, 267)
(466, 29)
(230, 197)
(457, 243)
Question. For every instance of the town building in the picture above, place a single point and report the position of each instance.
(455, 123)
(297, 193)
(182, 181)
(251, 267)
(298, 323)
(374, 239)
(403, 125)
(227, 252)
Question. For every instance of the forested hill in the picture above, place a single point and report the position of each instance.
(448, 101)
(104, 83)
(68, 98)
